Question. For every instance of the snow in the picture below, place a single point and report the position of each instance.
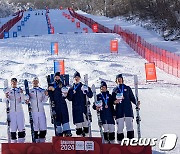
(26, 57)
(5, 20)
(149, 36)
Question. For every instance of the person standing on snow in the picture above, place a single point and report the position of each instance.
(77, 94)
(37, 98)
(16, 98)
(122, 97)
(61, 110)
(105, 105)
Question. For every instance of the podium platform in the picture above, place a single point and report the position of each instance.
(73, 145)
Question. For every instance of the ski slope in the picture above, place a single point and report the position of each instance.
(4, 20)
(26, 57)
(149, 36)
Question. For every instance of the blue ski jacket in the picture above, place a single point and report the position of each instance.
(124, 109)
(78, 98)
(107, 112)
(62, 115)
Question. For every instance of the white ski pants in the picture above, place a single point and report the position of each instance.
(109, 128)
(82, 124)
(17, 121)
(120, 124)
(39, 121)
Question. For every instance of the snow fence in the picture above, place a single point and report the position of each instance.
(7, 26)
(163, 59)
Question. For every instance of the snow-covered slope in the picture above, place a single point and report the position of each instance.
(149, 36)
(5, 20)
(25, 57)
(37, 25)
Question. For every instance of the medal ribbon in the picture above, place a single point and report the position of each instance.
(75, 87)
(105, 99)
(121, 90)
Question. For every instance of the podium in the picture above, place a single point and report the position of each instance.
(73, 145)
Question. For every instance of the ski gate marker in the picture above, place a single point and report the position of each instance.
(72, 20)
(59, 66)
(95, 28)
(6, 35)
(78, 24)
(85, 30)
(114, 46)
(14, 34)
(54, 48)
(150, 72)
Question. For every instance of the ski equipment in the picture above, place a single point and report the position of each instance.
(98, 113)
(89, 116)
(8, 112)
(52, 104)
(30, 111)
(138, 119)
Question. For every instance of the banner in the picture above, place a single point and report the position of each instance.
(95, 28)
(14, 34)
(22, 23)
(52, 30)
(54, 48)
(73, 145)
(73, 20)
(6, 35)
(85, 30)
(114, 46)
(78, 24)
(150, 72)
(59, 67)
(19, 28)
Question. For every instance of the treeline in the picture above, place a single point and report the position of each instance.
(5, 8)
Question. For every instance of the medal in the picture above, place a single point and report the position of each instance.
(105, 100)
(74, 91)
(75, 87)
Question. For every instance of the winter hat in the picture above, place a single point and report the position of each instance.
(13, 79)
(76, 74)
(119, 76)
(103, 83)
(35, 79)
(57, 74)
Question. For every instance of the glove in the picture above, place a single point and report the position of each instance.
(53, 113)
(84, 88)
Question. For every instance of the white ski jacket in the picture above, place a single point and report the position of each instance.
(37, 99)
(16, 98)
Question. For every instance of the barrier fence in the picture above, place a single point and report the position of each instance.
(163, 59)
(7, 26)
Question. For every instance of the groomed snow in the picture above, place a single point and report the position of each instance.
(149, 36)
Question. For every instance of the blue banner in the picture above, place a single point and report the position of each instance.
(22, 23)
(6, 35)
(19, 28)
(57, 66)
(14, 34)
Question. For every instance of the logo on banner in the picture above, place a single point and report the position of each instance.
(77, 145)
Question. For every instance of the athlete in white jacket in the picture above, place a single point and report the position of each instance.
(37, 98)
(16, 97)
